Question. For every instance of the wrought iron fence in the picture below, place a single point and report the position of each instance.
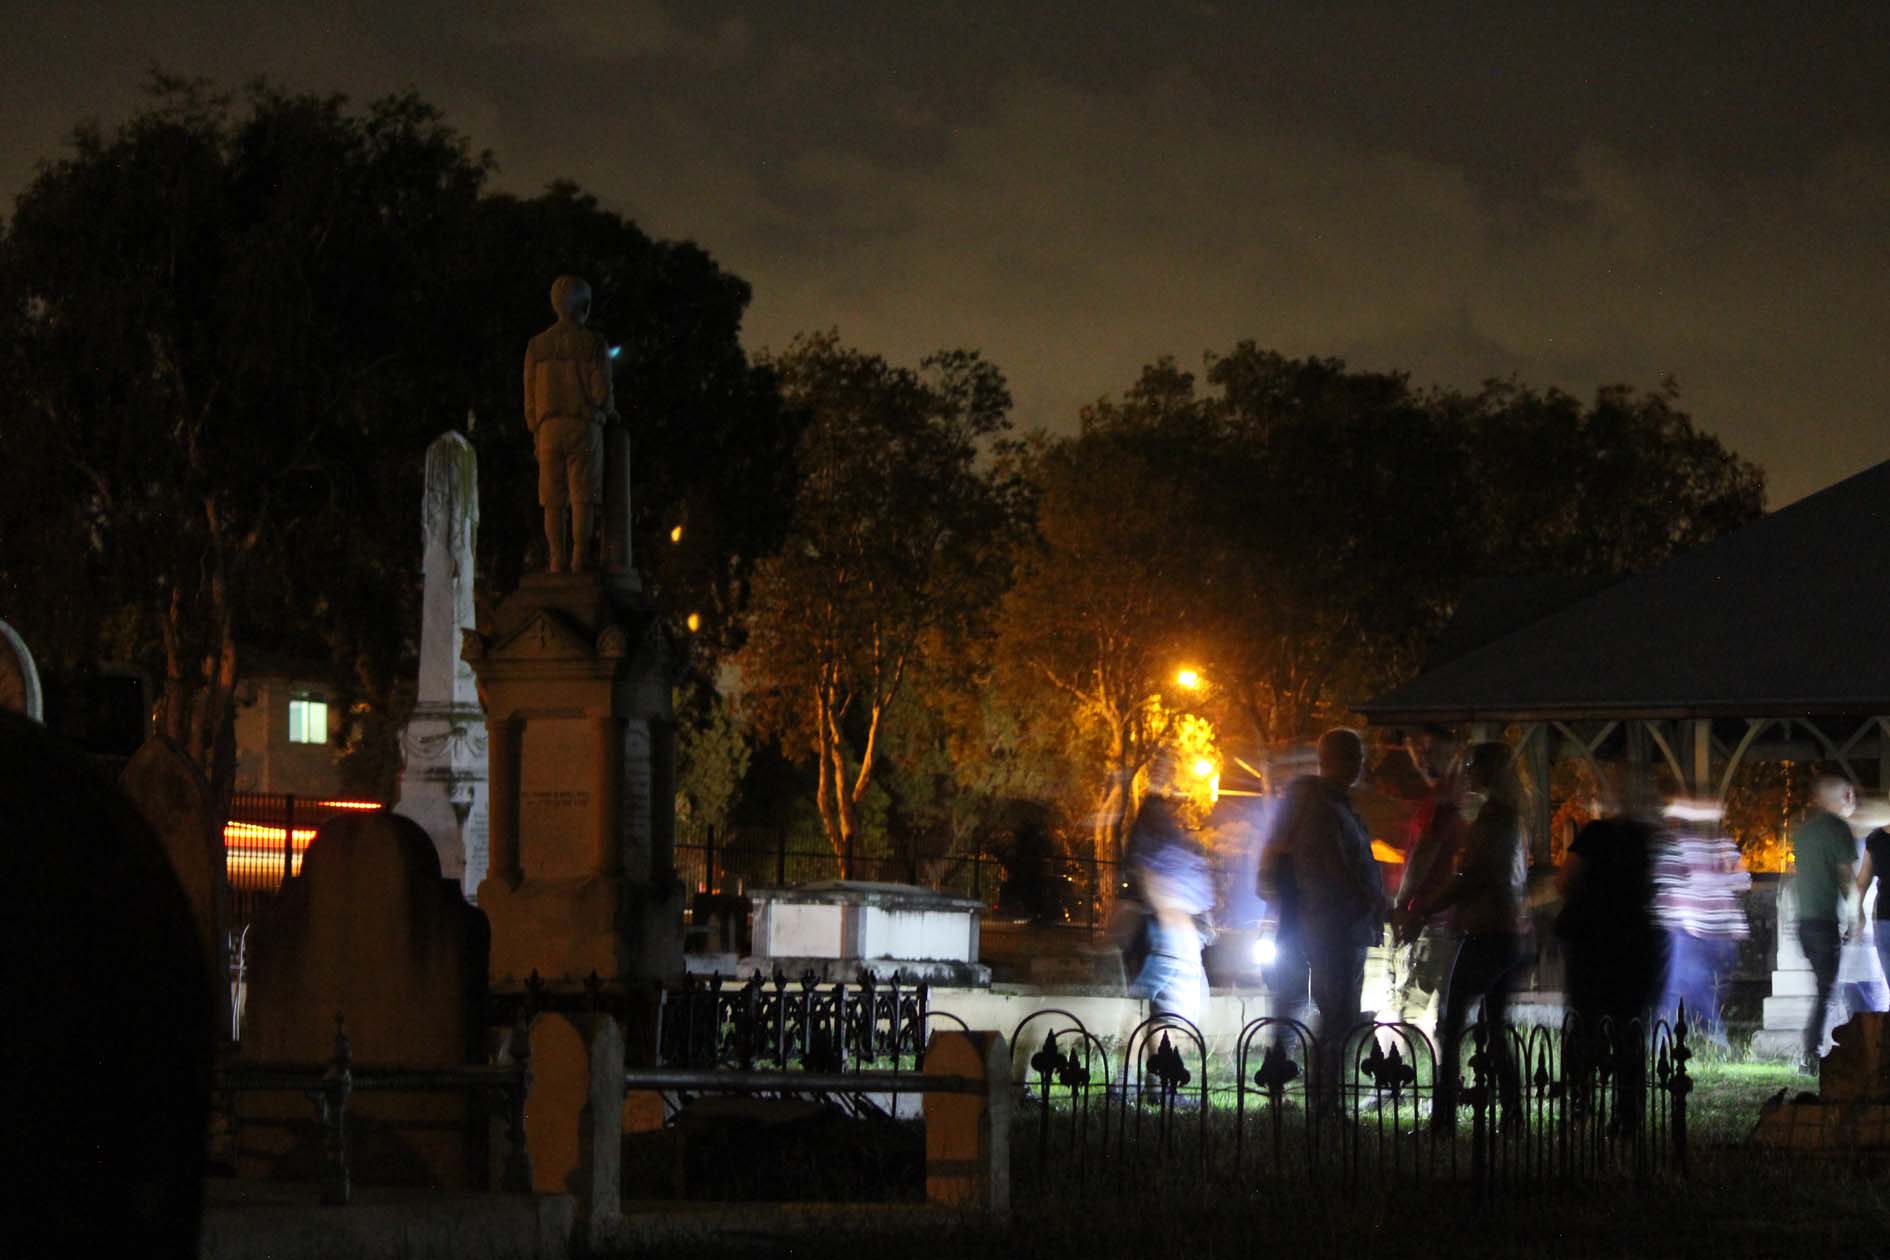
(1534, 1106)
(781, 1024)
(1570, 1106)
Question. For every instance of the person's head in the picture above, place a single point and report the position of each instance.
(571, 298)
(1432, 749)
(1488, 765)
(1835, 794)
(1341, 756)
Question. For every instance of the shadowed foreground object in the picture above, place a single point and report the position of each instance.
(105, 1070)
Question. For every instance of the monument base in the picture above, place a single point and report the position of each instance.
(569, 929)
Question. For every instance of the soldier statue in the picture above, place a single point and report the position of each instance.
(568, 399)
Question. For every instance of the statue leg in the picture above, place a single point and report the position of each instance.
(554, 535)
(581, 515)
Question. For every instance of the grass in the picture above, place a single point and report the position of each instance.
(1736, 1201)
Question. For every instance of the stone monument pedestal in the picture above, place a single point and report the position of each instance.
(575, 679)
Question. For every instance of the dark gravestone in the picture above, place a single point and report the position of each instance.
(174, 800)
(105, 1072)
(370, 930)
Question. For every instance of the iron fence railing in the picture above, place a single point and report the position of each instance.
(781, 1024)
(1564, 1106)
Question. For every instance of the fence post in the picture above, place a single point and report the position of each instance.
(288, 839)
(968, 1136)
(708, 863)
(331, 1103)
(977, 872)
(780, 857)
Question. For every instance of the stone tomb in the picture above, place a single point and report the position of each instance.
(369, 929)
(575, 675)
(841, 928)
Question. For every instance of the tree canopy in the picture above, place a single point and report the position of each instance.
(897, 546)
(229, 329)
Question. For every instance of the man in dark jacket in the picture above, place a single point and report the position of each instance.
(1318, 868)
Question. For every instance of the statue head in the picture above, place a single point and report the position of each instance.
(571, 298)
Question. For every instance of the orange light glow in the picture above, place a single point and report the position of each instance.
(694, 622)
(1187, 679)
(252, 854)
(356, 805)
(1385, 853)
(675, 535)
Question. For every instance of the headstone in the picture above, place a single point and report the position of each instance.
(170, 794)
(1794, 988)
(574, 1117)
(19, 679)
(371, 930)
(1851, 1110)
(105, 1076)
(443, 779)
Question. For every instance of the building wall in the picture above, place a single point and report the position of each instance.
(266, 759)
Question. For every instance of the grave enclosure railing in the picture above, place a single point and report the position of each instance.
(1587, 1105)
(329, 1086)
(802, 1025)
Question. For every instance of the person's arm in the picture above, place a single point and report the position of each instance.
(1569, 877)
(1865, 873)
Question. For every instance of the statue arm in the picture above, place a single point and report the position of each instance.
(531, 400)
(603, 382)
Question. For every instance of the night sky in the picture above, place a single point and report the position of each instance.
(1471, 190)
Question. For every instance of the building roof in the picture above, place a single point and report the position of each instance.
(1788, 616)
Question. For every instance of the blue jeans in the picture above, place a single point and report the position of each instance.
(1819, 939)
(1486, 967)
(1334, 974)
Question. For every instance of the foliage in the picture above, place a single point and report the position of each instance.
(712, 756)
(1302, 530)
(229, 330)
(896, 547)
(206, 389)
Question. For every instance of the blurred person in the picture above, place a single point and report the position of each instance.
(1874, 868)
(1699, 881)
(1173, 883)
(1616, 952)
(1485, 902)
(1824, 854)
(1318, 870)
(1423, 940)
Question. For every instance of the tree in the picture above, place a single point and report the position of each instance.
(230, 328)
(1348, 519)
(1610, 488)
(897, 547)
(1109, 601)
(212, 381)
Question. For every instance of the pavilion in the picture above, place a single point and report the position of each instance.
(1771, 643)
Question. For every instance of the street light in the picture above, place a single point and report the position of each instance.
(1187, 679)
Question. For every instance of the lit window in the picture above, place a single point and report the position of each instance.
(308, 721)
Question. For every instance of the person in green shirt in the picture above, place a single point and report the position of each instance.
(1824, 852)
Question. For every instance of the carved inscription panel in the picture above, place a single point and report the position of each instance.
(557, 773)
